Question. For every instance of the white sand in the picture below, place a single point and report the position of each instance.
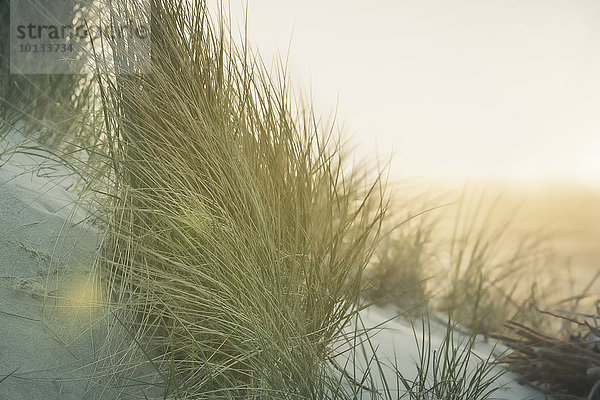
(51, 328)
(49, 331)
(43, 340)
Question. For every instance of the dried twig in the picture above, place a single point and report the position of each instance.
(569, 365)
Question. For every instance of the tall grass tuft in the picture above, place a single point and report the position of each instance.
(452, 371)
(237, 236)
(491, 272)
(473, 266)
(397, 272)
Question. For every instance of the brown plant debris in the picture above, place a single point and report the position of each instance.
(568, 364)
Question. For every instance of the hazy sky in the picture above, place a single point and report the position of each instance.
(507, 88)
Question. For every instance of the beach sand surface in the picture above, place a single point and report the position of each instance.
(52, 327)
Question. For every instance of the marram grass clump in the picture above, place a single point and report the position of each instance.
(236, 237)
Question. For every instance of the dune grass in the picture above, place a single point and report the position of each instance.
(492, 270)
(474, 267)
(236, 236)
(397, 274)
(450, 371)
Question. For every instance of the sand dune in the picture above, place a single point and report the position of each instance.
(51, 327)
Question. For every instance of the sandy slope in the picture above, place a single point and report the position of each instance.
(51, 335)
(43, 256)
(51, 328)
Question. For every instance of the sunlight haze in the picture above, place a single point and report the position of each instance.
(462, 89)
